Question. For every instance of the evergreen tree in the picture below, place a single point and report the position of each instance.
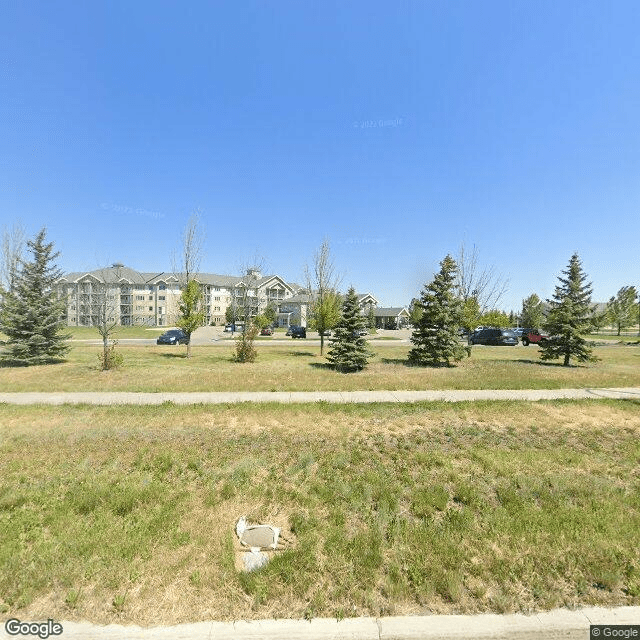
(532, 312)
(371, 318)
(32, 311)
(435, 338)
(349, 351)
(569, 317)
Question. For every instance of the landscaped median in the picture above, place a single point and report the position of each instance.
(127, 513)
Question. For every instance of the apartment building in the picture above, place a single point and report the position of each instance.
(129, 297)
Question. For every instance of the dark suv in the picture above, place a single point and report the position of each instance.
(298, 332)
(504, 337)
(173, 336)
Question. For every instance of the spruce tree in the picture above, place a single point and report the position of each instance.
(32, 311)
(569, 317)
(349, 351)
(435, 337)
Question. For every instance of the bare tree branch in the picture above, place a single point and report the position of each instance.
(322, 287)
(13, 243)
(479, 282)
(188, 264)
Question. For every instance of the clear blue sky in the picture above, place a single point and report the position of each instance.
(514, 126)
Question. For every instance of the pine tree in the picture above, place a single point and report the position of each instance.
(435, 337)
(349, 351)
(32, 311)
(569, 317)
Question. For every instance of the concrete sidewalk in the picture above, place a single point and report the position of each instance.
(551, 625)
(289, 397)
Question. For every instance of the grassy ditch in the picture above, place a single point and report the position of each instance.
(300, 368)
(127, 513)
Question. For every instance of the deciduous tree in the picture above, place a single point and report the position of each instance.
(532, 314)
(322, 285)
(621, 308)
(495, 318)
(190, 304)
(12, 250)
(479, 282)
(191, 312)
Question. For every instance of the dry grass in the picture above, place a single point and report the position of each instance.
(153, 368)
(125, 514)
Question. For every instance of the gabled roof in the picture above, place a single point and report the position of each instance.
(298, 298)
(108, 275)
(390, 312)
(366, 298)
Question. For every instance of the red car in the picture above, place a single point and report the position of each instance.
(267, 331)
(534, 336)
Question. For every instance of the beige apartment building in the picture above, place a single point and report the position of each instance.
(131, 297)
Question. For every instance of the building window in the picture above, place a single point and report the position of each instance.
(139, 297)
(150, 297)
(150, 308)
(160, 297)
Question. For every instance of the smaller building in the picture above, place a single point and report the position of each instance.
(391, 317)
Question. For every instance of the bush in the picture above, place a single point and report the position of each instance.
(245, 351)
(110, 359)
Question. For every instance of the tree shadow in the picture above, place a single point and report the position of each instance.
(302, 353)
(542, 363)
(402, 361)
(16, 364)
(323, 366)
(173, 355)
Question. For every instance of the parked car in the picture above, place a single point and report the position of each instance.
(533, 335)
(173, 336)
(298, 332)
(504, 337)
(326, 332)
(266, 331)
(291, 328)
(518, 331)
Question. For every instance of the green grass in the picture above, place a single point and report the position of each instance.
(127, 513)
(299, 367)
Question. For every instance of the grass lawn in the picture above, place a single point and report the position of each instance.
(91, 333)
(126, 514)
(299, 367)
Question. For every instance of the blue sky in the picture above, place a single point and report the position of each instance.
(395, 129)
